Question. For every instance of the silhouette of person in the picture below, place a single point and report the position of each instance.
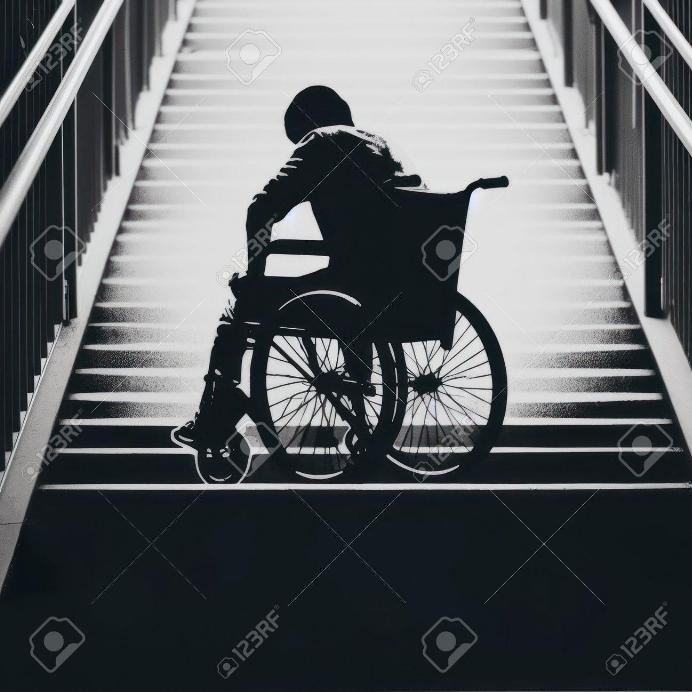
(348, 176)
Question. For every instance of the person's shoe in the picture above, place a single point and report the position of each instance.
(219, 411)
(189, 435)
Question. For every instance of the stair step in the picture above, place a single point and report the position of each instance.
(218, 10)
(137, 379)
(586, 334)
(446, 175)
(504, 97)
(192, 210)
(117, 333)
(580, 409)
(129, 409)
(113, 468)
(488, 61)
(490, 113)
(501, 466)
(566, 191)
(136, 356)
(129, 332)
(457, 83)
(482, 40)
(222, 151)
(500, 133)
(639, 358)
(595, 383)
(144, 312)
(597, 432)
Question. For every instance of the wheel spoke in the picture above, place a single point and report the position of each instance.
(279, 374)
(285, 384)
(453, 418)
(463, 362)
(470, 393)
(461, 353)
(460, 374)
(290, 345)
(464, 409)
(290, 397)
(292, 413)
(455, 344)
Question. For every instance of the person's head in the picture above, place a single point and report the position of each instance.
(316, 106)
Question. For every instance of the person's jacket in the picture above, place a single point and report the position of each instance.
(348, 176)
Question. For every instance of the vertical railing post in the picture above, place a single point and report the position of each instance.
(601, 97)
(108, 96)
(568, 42)
(653, 202)
(70, 192)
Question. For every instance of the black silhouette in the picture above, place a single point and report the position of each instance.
(342, 172)
(336, 334)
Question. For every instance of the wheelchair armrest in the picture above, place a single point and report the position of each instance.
(296, 247)
(287, 247)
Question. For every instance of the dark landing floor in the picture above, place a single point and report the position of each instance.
(165, 585)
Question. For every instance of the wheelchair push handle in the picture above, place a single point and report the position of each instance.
(489, 183)
(486, 184)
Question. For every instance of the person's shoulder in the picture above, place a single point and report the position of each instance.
(342, 133)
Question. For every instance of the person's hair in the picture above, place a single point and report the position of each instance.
(316, 106)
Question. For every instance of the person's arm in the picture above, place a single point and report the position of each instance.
(297, 178)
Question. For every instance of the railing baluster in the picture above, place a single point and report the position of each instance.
(39, 292)
(643, 138)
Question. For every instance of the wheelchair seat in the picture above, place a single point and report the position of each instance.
(398, 288)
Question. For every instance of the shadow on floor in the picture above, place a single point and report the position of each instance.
(165, 585)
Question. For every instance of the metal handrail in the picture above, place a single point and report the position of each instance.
(670, 29)
(21, 177)
(38, 52)
(671, 110)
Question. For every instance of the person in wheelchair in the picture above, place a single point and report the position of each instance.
(348, 176)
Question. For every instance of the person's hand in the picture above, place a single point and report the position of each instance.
(236, 283)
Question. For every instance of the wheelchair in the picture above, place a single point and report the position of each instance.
(410, 372)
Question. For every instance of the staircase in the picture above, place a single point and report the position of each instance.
(541, 269)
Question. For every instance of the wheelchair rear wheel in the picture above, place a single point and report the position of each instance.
(455, 399)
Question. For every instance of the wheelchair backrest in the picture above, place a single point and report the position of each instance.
(418, 284)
